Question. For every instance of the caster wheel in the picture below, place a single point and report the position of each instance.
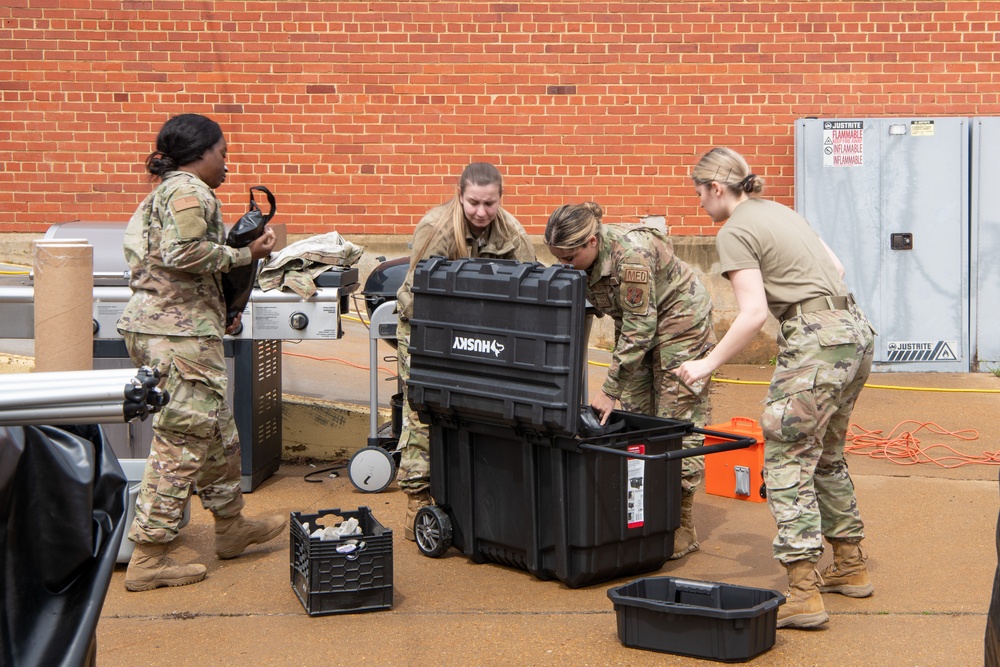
(371, 469)
(432, 528)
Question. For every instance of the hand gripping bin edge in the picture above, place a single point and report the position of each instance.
(327, 581)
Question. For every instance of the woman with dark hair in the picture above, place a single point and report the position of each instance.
(174, 323)
(472, 224)
(662, 315)
(776, 262)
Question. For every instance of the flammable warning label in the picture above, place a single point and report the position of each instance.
(902, 351)
(636, 512)
(843, 143)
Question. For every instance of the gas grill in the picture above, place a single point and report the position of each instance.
(253, 355)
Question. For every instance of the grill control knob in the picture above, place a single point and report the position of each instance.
(298, 321)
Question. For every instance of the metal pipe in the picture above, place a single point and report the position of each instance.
(86, 413)
(147, 376)
(26, 397)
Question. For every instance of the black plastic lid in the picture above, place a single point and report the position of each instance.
(499, 341)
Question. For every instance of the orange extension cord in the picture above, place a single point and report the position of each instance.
(904, 447)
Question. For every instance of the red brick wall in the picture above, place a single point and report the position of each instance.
(361, 115)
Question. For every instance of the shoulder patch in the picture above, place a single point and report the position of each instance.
(634, 296)
(634, 289)
(188, 217)
(184, 203)
(635, 273)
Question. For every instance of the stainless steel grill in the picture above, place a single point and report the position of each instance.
(253, 356)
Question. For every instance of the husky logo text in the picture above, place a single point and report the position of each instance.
(477, 345)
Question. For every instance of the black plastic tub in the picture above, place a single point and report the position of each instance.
(700, 619)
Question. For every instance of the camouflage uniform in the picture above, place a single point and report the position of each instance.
(433, 236)
(663, 317)
(824, 360)
(175, 323)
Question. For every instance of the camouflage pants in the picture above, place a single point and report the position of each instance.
(195, 444)
(414, 445)
(823, 362)
(653, 389)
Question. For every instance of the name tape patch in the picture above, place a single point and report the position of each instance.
(635, 275)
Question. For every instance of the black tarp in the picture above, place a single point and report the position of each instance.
(991, 643)
(63, 499)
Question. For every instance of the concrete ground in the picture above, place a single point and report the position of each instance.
(930, 539)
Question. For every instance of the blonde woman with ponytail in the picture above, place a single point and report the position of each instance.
(472, 224)
(777, 263)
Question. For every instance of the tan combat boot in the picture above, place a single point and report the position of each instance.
(150, 568)
(803, 607)
(234, 534)
(685, 537)
(849, 574)
(413, 504)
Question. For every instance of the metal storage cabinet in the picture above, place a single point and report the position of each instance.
(890, 197)
(985, 252)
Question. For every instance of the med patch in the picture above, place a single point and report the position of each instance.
(635, 287)
(635, 274)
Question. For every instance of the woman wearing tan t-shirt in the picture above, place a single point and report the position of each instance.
(776, 263)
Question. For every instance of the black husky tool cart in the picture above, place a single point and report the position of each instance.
(497, 368)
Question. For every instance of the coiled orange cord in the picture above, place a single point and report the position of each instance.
(904, 447)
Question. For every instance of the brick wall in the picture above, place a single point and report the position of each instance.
(361, 115)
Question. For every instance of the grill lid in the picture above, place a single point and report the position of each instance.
(108, 240)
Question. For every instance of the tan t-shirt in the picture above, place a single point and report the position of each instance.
(506, 239)
(762, 234)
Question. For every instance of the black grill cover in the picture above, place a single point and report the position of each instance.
(63, 498)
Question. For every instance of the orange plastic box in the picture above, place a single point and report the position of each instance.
(738, 473)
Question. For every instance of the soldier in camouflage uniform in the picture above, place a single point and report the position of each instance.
(471, 225)
(662, 315)
(174, 322)
(776, 262)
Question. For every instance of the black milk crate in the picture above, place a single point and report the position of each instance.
(330, 582)
(701, 619)
(498, 341)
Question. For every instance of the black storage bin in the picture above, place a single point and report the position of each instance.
(497, 359)
(701, 619)
(542, 504)
(328, 581)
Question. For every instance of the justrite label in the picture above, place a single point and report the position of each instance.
(636, 479)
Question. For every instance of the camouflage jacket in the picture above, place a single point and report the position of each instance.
(433, 237)
(175, 249)
(654, 298)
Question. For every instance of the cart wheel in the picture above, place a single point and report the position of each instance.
(432, 528)
(371, 469)
(763, 490)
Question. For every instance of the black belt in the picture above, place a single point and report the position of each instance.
(818, 303)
